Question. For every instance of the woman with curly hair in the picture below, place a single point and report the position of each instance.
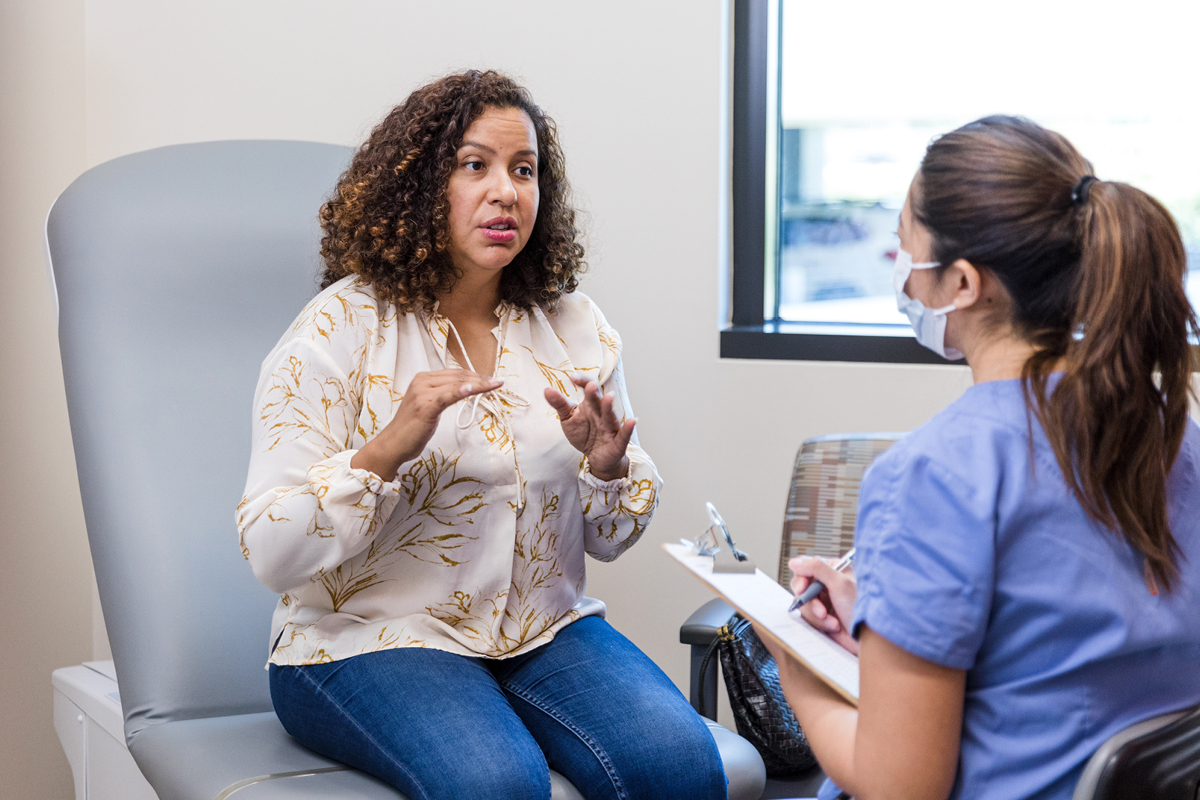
(439, 438)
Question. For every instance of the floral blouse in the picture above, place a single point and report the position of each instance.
(477, 547)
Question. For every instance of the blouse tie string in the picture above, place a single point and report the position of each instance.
(500, 418)
(474, 406)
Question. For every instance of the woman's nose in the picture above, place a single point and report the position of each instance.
(503, 191)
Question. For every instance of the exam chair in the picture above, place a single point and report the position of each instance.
(176, 271)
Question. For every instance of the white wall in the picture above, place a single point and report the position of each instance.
(635, 87)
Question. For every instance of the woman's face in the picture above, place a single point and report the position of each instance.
(493, 191)
(917, 241)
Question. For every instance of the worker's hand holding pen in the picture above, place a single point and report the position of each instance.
(833, 608)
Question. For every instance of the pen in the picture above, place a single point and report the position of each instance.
(816, 587)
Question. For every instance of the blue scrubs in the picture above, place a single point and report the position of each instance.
(973, 553)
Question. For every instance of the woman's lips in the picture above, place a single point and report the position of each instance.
(499, 235)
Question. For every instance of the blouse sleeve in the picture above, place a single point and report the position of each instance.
(305, 509)
(926, 552)
(618, 511)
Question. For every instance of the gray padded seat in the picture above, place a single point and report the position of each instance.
(177, 270)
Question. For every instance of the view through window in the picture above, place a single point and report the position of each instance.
(864, 87)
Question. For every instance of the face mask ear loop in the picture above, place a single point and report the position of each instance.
(474, 405)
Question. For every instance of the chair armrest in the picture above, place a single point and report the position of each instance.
(701, 627)
(700, 631)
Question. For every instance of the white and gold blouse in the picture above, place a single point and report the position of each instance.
(477, 547)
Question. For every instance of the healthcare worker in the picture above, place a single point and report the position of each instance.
(1028, 565)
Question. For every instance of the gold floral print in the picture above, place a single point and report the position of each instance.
(620, 516)
(536, 550)
(609, 338)
(350, 309)
(559, 375)
(434, 491)
(299, 406)
(466, 550)
(475, 617)
(386, 640)
(293, 636)
(536, 571)
(502, 621)
(427, 487)
(240, 516)
(498, 406)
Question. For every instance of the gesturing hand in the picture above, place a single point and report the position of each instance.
(405, 436)
(593, 429)
(831, 610)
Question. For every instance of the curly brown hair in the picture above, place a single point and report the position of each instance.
(387, 219)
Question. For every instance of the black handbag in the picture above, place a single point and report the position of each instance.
(760, 710)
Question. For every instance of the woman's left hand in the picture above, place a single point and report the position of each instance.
(593, 429)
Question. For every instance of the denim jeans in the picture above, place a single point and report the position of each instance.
(438, 725)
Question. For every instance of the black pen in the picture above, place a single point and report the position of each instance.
(816, 587)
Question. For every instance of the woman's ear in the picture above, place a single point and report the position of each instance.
(963, 284)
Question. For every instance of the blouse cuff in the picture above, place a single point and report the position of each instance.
(615, 485)
(339, 470)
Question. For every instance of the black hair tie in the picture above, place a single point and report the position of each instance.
(1079, 193)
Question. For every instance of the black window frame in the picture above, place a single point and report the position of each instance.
(751, 334)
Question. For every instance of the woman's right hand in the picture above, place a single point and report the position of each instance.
(838, 597)
(405, 436)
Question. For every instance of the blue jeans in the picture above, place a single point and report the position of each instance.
(437, 725)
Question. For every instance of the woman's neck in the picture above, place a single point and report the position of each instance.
(997, 357)
(473, 297)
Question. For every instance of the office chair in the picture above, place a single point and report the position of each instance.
(176, 271)
(1157, 759)
(822, 507)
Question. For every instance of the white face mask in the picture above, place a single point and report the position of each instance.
(929, 324)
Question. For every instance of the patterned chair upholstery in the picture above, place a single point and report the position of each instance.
(822, 504)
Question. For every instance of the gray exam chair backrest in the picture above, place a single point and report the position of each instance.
(177, 270)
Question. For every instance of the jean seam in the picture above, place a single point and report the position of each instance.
(366, 734)
(591, 743)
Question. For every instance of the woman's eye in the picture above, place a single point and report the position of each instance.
(526, 172)
(473, 166)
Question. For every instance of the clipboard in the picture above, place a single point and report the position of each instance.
(760, 599)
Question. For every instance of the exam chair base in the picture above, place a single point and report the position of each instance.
(250, 756)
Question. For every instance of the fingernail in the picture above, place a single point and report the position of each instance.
(466, 389)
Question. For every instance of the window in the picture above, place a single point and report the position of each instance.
(834, 104)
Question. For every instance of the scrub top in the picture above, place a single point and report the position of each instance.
(973, 553)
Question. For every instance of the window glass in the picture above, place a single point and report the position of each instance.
(865, 86)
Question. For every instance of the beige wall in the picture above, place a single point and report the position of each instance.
(45, 572)
(636, 88)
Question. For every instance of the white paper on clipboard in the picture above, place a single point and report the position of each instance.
(764, 601)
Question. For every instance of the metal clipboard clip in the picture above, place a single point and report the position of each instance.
(727, 558)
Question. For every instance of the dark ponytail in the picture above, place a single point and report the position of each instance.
(1095, 271)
